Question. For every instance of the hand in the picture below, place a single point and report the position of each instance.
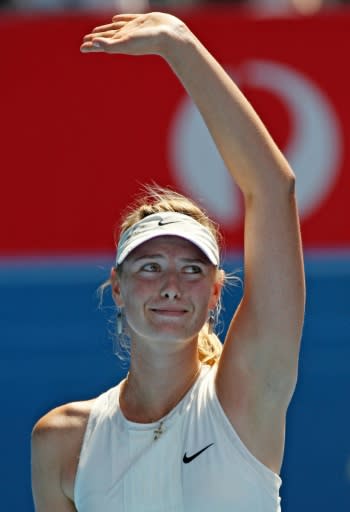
(135, 34)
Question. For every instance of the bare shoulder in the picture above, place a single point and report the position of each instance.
(61, 428)
(56, 443)
(65, 418)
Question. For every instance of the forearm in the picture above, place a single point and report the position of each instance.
(245, 145)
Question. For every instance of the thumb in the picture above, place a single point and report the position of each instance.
(96, 45)
(108, 45)
(100, 42)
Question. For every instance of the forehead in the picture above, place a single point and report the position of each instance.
(168, 245)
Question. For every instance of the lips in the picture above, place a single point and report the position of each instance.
(169, 311)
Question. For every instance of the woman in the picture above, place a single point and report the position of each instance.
(179, 434)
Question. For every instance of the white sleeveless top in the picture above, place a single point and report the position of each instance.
(198, 464)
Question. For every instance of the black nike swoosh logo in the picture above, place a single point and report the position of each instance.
(186, 459)
(165, 223)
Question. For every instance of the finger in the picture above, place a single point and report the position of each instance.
(106, 34)
(110, 26)
(90, 48)
(103, 44)
(125, 17)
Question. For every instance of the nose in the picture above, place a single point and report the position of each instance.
(171, 289)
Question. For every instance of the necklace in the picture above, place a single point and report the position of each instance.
(160, 429)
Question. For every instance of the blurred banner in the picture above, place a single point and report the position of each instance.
(81, 133)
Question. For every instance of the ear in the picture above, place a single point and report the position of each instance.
(115, 285)
(217, 287)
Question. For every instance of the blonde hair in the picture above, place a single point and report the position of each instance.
(157, 199)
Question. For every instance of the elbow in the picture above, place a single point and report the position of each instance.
(281, 186)
(290, 183)
(285, 179)
(284, 185)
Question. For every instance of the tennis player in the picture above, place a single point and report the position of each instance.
(192, 428)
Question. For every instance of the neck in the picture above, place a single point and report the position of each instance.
(155, 386)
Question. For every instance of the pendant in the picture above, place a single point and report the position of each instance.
(158, 431)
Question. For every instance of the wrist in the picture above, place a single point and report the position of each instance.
(174, 41)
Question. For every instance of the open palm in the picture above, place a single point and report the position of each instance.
(132, 34)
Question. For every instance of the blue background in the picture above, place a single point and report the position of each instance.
(56, 348)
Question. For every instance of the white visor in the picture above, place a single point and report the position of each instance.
(168, 223)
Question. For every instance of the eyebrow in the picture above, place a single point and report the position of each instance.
(203, 260)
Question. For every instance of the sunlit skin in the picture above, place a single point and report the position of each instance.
(167, 287)
(166, 296)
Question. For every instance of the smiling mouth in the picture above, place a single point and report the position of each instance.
(169, 312)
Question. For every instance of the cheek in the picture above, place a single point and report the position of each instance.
(135, 294)
(202, 296)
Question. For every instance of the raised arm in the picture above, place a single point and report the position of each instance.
(258, 368)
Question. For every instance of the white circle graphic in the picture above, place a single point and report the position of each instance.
(199, 169)
(313, 149)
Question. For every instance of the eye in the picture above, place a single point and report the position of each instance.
(192, 269)
(151, 267)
